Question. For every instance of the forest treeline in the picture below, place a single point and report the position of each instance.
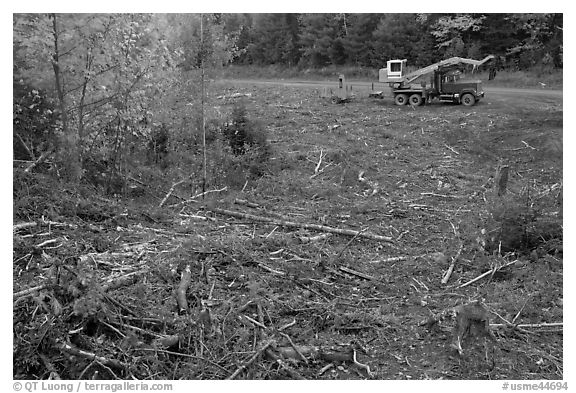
(520, 41)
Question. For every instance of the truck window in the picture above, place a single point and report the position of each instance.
(395, 67)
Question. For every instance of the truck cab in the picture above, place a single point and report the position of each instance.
(450, 87)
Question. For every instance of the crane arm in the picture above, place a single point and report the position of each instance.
(444, 63)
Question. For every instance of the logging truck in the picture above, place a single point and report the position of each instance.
(445, 82)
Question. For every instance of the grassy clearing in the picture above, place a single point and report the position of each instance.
(422, 176)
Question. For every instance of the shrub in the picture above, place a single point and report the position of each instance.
(241, 132)
(521, 223)
(158, 144)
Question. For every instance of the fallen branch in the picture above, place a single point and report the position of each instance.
(255, 322)
(88, 355)
(28, 150)
(291, 224)
(23, 225)
(193, 199)
(296, 349)
(171, 191)
(452, 149)
(290, 324)
(319, 162)
(321, 171)
(361, 365)
(293, 373)
(250, 361)
(46, 243)
(185, 355)
(350, 242)
(308, 239)
(122, 281)
(29, 291)
(491, 271)
(271, 270)
(356, 273)
(391, 259)
(441, 195)
(246, 203)
(182, 288)
(38, 161)
(454, 259)
(528, 146)
(58, 224)
(528, 325)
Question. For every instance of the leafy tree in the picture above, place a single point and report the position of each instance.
(101, 68)
(541, 42)
(35, 122)
(455, 32)
(239, 28)
(214, 47)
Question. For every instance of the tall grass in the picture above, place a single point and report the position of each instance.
(551, 79)
(300, 73)
(525, 79)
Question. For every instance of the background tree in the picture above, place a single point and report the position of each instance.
(359, 40)
(402, 36)
(318, 35)
(275, 39)
(455, 33)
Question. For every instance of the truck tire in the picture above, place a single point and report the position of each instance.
(468, 100)
(416, 99)
(401, 99)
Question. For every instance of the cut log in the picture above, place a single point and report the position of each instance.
(291, 224)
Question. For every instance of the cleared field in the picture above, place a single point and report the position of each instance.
(417, 184)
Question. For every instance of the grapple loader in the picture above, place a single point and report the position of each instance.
(444, 83)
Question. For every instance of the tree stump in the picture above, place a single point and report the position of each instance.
(501, 180)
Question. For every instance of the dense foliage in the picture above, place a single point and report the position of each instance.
(520, 41)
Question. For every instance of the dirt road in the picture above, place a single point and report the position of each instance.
(500, 91)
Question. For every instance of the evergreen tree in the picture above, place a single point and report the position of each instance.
(359, 43)
(275, 39)
(319, 38)
(401, 36)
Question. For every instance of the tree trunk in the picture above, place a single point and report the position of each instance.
(69, 152)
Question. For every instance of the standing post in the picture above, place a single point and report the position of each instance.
(202, 104)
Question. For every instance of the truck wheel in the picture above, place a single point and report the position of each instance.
(416, 99)
(468, 99)
(401, 99)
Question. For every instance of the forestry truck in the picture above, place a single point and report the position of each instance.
(444, 84)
